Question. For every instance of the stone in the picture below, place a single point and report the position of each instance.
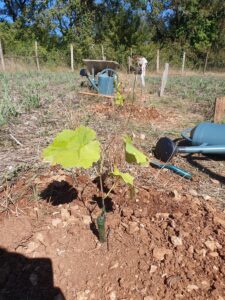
(83, 295)
(112, 295)
(114, 265)
(191, 249)
(206, 197)
(31, 247)
(176, 241)
(133, 227)
(127, 212)
(214, 254)
(148, 298)
(192, 287)
(219, 221)
(193, 193)
(87, 220)
(159, 253)
(56, 222)
(65, 214)
(153, 268)
(142, 136)
(39, 237)
(176, 195)
(211, 245)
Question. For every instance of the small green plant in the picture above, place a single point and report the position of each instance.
(119, 99)
(79, 148)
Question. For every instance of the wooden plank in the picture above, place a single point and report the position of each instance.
(94, 94)
(219, 111)
(164, 80)
(2, 57)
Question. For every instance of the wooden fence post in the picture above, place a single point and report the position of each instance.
(183, 63)
(2, 57)
(36, 55)
(206, 62)
(157, 62)
(129, 64)
(164, 80)
(219, 110)
(103, 54)
(71, 57)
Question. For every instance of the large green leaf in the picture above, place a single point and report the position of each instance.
(133, 155)
(127, 178)
(74, 148)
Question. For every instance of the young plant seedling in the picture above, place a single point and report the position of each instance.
(79, 148)
(119, 99)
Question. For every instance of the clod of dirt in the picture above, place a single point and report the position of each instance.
(214, 254)
(159, 253)
(219, 221)
(127, 212)
(133, 227)
(112, 295)
(56, 222)
(65, 214)
(14, 231)
(31, 247)
(193, 193)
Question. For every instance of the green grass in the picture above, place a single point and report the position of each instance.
(23, 91)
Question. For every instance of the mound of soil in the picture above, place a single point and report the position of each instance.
(140, 113)
(159, 245)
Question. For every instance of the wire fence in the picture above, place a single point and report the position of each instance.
(35, 58)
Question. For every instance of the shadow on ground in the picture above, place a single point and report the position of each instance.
(59, 192)
(195, 162)
(25, 278)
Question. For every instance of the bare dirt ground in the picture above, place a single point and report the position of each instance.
(165, 242)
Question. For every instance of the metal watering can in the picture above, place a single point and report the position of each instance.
(104, 84)
(206, 138)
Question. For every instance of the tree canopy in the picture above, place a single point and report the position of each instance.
(195, 25)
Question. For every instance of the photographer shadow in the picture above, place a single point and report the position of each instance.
(26, 278)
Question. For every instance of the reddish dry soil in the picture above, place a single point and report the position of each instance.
(136, 112)
(159, 245)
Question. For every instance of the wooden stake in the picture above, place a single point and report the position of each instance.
(219, 110)
(36, 55)
(157, 62)
(164, 80)
(2, 57)
(183, 63)
(206, 62)
(97, 95)
(71, 57)
(129, 64)
(103, 54)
